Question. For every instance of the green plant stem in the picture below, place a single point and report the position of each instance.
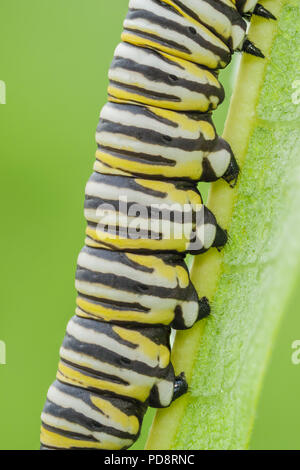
(249, 282)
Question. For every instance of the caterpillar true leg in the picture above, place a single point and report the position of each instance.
(204, 308)
(180, 386)
(250, 48)
(260, 10)
(156, 141)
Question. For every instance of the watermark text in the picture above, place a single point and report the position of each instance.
(185, 222)
(2, 353)
(2, 92)
(296, 354)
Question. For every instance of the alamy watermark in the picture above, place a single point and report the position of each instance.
(2, 353)
(2, 92)
(135, 221)
(296, 354)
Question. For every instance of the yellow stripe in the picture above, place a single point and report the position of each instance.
(174, 195)
(52, 439)
(69, 375)
(217, 25)
(163, 269)
(129, 424)
(101, 168)
(196, 23)
(180, 245)
(160, 316)
(145, 345)
(186, 123)
(189, 104)
(191, 169)
(209, 60)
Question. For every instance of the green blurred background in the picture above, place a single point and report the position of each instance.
(55, 56)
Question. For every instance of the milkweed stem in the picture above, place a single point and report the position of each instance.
(248, 283)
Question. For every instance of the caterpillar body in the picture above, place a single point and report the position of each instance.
(156, 141)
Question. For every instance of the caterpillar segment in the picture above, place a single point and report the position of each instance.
(73, 418)
(107, 376)
(220, 18)
(155, 142)
(127, 288)
(146, 216)
(151, 142)
(152, 24)
(138, 75)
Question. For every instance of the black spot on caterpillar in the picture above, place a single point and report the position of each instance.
(156, 141)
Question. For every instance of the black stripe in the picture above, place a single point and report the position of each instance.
(157, 334)
(89, 372)
(132, 183)
(122, 182)
(128, 406)
(88, 423)
(149, 111)
(166, 23)
(143, 92)
(157, 75)
(125, 322)
(137, 250)
(160, 176)
(153, 137)
(144, 111)
(126, 284)
(113, 304)
(171, 260)
(159, 40)
(126, 233)
(70, 434)
(230, 12)
(115, 256)
(145, 158)
(136, 209)
(114, 359)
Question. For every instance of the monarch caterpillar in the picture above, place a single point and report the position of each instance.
(156, 141)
